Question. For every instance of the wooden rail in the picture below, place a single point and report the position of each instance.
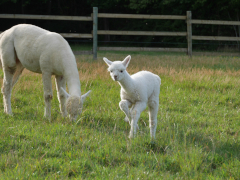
(142, 49)
(74, 35)
(140, 16)
(142, 33)
(214, 22)
(216, 38)
(46, 17)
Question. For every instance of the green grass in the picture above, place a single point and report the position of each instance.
(197, 134)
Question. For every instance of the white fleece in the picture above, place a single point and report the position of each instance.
(41, 51)
(137, 91)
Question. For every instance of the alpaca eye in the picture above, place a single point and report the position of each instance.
(121, 71)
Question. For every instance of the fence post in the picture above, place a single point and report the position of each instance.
(189, 33)
(95, 28)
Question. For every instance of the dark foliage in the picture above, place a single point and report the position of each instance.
(201, 9)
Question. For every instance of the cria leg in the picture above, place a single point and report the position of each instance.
(124, 106)
(61, 82)
(7, 88)
(47, 86)
(135, 114)
(153, 110)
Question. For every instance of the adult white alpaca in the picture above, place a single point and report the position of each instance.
(45, 52)
(137, 91)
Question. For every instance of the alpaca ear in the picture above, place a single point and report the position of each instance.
(108, 62)
(65, 92)
(126, 61)
(83, 97)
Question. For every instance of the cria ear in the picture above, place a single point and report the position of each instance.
(65, 92)
(126, 61)
(83, 97)
(108, 62)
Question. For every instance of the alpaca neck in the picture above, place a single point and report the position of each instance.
(74, 87)
(73, 83)
(71, 74)
(127, 83)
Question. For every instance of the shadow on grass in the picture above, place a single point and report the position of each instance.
(218, 152)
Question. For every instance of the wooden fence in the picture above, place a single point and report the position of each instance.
(189, 22)
(142, 33)
(95, 32)
(92, 18)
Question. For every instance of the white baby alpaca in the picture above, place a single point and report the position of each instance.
(137, 91)
(45, 52)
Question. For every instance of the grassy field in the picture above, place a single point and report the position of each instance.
(197, 134)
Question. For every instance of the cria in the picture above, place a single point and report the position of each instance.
(137, 91)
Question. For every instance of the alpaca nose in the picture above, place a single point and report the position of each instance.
(115, 77)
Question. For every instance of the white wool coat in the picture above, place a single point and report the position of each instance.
(143, 85)
(40, 51)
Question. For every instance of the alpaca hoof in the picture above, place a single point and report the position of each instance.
(73, 118)
(47, 118)
(137, 127)
(126, 119)
(64, 114)
(10, 113)
(131, 136)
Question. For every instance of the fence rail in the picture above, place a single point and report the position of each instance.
(215, 22)
(140, 16)
(142, 49)
(46, 17)
(95, 32)
(75, 35)
(216, 38)
(141, 33)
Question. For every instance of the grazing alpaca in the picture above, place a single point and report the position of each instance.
(137, 91)
(45, 52)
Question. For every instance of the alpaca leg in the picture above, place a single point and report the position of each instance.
(11, 76)
(19, 69)
(124, 106)
(135, 114)
(8, 59)
(47, 86)
(153, 110)
(61, 82)
(7, 88)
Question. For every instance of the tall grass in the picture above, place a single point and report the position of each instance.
(197, 134)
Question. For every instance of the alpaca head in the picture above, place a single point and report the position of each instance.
(74, 104)
(117, 69)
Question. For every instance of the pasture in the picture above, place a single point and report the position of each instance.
(197, 135)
